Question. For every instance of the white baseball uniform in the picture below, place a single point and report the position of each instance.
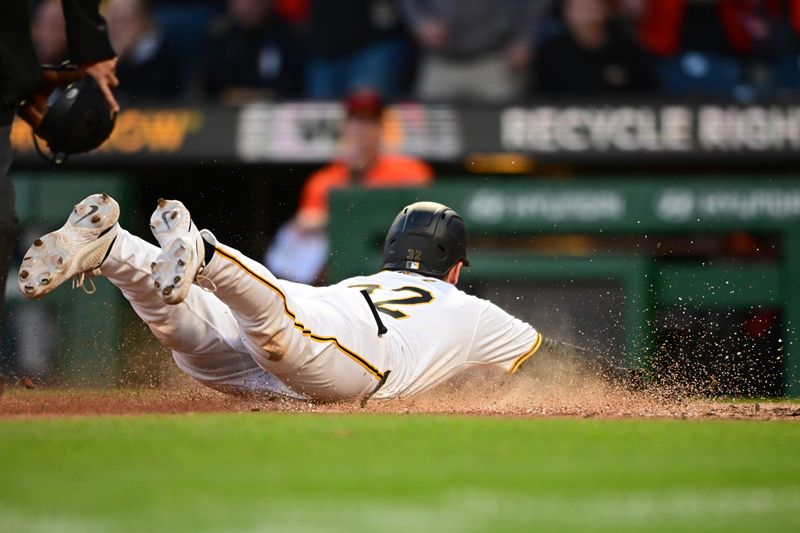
(256, 333)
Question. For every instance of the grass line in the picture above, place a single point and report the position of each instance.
(265, 471)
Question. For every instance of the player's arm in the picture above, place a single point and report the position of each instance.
(510, 343)
(502, 340)
(593, 363)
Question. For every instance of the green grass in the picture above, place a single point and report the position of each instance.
(261, 472)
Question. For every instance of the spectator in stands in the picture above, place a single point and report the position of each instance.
(300, 249)
(724, 47)
(251, 53)
(473, 50)
(764, 34)
(149, 68)
(48, 30)
(295, 12)
(356, 44)
(670, 27)
(593, 56)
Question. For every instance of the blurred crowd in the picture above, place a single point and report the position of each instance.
(476, 51)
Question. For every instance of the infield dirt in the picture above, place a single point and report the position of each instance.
(542, 394)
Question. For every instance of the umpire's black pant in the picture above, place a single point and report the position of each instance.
(8, 219)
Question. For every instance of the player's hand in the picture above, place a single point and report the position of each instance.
(104, 73)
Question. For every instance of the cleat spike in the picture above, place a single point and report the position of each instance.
(76, 248)
(181, 257)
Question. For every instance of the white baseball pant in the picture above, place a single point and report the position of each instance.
(321, 342)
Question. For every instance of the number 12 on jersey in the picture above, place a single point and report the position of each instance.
(402, 296)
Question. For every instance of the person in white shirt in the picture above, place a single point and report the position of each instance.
(233, 326)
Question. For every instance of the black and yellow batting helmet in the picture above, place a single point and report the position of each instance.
(425, 237)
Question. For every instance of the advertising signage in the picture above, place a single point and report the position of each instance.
(565, 133)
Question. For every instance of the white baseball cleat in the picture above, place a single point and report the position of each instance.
(77, 248)
(182, 251)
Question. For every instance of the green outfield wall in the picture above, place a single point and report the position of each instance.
(84, 333)
(630, 206)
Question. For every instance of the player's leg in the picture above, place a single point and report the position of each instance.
(201, 332)
(91, 241)
(92, 237)
(314, 348)
(202, 325)
(326, 351)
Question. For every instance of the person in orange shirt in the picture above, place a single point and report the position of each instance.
(300, 250)
(362, 162)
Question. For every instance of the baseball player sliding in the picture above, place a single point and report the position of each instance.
(233, 326)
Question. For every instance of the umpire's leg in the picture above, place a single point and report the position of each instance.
(8, 222)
